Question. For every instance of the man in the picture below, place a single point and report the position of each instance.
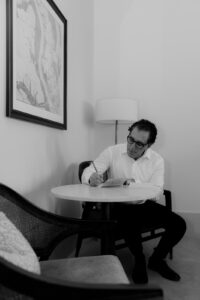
(137, 162)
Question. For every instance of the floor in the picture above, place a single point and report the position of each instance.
(186, 261)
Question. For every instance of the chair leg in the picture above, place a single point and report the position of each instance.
(107, 244)
(78, 244)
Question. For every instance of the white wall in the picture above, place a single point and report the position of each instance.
(150, 50)
(35, 158)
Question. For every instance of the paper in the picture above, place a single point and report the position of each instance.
(111, 182)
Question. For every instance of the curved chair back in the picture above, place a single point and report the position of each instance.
(82, 167)
(86, 164)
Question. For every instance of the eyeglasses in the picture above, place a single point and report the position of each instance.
(139, 145)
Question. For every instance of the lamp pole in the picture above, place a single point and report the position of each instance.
(116, 110)
(116, 128)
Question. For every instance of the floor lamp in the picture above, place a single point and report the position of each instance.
(115, 111)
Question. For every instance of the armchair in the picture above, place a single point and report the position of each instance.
(95, 277)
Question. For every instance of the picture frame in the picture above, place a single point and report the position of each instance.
(36, 62)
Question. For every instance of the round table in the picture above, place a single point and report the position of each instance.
(83, 192)
(135, 193)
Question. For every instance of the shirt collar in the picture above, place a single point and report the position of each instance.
(147, 153)
(124, 148)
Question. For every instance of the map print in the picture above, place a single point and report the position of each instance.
(39, 57)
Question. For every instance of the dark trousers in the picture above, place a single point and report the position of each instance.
(133, 218)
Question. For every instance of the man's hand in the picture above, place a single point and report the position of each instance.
(128, 181)
(96, 179)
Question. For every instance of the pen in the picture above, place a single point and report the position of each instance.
(94, 167)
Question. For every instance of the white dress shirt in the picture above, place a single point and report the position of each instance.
(149, 168)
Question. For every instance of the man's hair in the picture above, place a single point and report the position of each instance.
(146, 126)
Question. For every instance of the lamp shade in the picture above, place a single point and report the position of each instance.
(116, 109)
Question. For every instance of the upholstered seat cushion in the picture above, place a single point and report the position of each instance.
(92, 269)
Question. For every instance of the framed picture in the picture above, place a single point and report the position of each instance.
(36, 62)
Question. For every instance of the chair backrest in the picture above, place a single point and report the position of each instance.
(34, 223)
(86, 164)
(43, 230)
(82, 167)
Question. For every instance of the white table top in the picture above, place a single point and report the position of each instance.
(83, 192)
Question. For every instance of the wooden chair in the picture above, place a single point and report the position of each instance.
(91, 211)
(60, 278)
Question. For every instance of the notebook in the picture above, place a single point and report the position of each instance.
(113, 182)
